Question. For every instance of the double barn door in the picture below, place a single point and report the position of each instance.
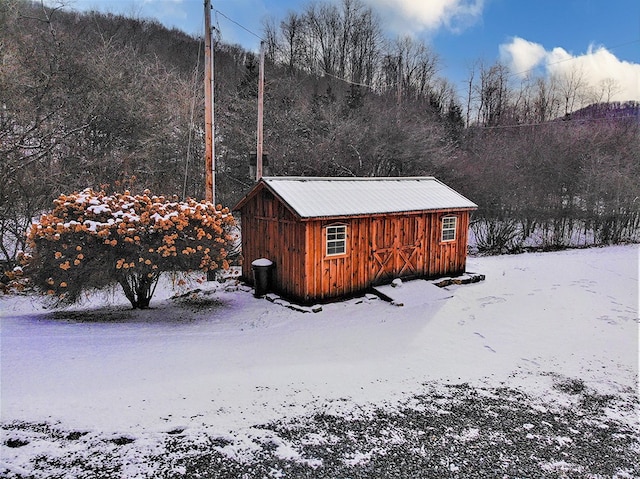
(396, 248)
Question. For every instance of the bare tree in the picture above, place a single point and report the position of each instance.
(287, 45)
(546, 101)
(493, 94)
(470, 94)
(572, 88)
(341, 40)
(604, 91)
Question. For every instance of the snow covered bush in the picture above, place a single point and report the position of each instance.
(13, 281)
(92, 240)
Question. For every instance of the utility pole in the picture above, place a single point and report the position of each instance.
(209, 150)
(259, 134)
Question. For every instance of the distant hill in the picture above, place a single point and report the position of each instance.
(611, 110)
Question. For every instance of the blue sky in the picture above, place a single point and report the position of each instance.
(599, 37)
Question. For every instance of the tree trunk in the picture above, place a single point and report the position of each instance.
(139, 289)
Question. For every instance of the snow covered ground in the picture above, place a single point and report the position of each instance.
(231, 378)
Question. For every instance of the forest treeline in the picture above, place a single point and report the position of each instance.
(106, 101)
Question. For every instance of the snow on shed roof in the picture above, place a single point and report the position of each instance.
(313, 197)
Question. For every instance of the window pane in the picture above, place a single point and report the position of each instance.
(336, 240)
(337, 248)
(449, 228)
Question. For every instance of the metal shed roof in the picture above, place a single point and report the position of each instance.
(313, 197)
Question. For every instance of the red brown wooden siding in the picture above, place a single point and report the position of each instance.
(270, 230)
(378, 249)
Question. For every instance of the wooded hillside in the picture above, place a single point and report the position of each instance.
(104, 101)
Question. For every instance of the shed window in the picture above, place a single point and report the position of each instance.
(449, 228)
(336, 240)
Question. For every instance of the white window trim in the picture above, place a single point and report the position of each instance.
(335, 242)
(453, 228)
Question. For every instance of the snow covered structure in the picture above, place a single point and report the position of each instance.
(335, 237)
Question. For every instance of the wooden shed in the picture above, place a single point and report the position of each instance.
(336, 237)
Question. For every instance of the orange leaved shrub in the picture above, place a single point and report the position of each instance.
(91, 240)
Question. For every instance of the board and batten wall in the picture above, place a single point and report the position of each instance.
(270, 230)
(382, 248)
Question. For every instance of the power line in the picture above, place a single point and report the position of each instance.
(371, 87)
(520, 73)
(350, 82)
(239, 25)
(463, 90)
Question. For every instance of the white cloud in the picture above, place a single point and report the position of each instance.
(597, 68)
(522, 55)
(411, 16)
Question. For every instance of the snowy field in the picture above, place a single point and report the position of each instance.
(530, 373)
